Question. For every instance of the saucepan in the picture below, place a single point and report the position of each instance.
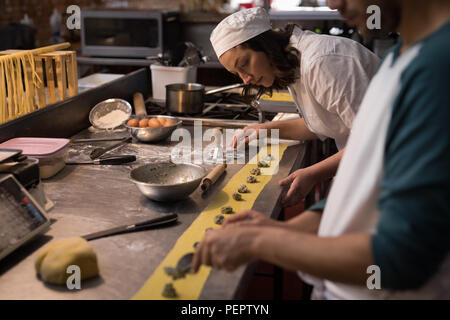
(188, 98)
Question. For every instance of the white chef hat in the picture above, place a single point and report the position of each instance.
(238, 28)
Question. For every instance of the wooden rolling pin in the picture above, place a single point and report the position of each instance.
(213, 176)
(139, 105)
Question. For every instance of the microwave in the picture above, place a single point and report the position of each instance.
(128, 33)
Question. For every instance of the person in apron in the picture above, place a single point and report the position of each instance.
(326, 76)
(382, 233)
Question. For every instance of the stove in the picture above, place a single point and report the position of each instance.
(221, 106)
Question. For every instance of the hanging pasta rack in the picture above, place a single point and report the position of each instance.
(33, 79)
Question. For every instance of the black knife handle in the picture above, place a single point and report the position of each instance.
(120, 159)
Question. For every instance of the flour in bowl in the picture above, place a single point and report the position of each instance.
(112, 119)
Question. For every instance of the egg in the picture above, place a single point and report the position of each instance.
(154, 123)
(169, 123)
(133, 123)
(161, 121)
(143, 123)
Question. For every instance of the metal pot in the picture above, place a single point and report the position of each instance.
(188, 98)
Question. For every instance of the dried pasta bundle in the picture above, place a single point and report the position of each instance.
(19, 82)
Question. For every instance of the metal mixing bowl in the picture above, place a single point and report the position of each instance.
(153, 134)
(167, 181)
(103, 108)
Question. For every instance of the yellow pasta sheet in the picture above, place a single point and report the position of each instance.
(190, 287)
(278, 96)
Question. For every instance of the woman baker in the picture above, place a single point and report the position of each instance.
(326, 76)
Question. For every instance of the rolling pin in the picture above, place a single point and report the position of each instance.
(212, 177)
(139, 105)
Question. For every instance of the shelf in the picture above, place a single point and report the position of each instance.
(115, 61)
(305, 13)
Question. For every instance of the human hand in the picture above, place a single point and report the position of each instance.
(249, 218)
(300, 183)
(225, 248)
(244, 136)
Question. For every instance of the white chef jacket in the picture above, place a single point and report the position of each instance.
(334, 75)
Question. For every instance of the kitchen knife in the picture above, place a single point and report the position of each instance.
(171, 218)
(119, 159)
(87, 140)
(97, 152)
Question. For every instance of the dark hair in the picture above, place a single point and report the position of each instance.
(283, 57)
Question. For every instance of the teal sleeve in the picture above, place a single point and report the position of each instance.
(319, 206)
(412, 236)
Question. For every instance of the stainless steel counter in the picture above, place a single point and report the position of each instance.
(93, 198)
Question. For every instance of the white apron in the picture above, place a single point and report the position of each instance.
(352, 203)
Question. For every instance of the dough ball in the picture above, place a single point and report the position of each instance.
(154, 123)
(237, 196)
(169, 123)
(243, 189)
(162, 121)
(226, 210)
(133, 123)
(53, 259)
(169, 291)
(143, 123)
(174, 273)
(219, 219)
(251, 179)
(263, 164)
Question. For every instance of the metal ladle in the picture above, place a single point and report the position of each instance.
(192, 56)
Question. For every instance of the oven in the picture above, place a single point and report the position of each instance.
(128, 33)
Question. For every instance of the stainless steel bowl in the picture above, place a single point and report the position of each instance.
(167, 181)
(105, 107)
(153, 134)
